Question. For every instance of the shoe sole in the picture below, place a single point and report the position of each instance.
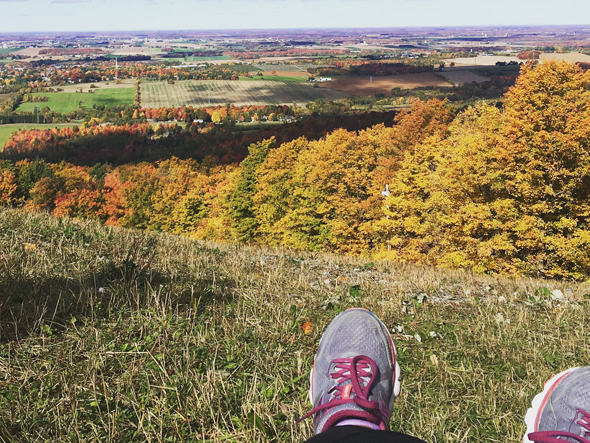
(396, 383)
(533, 414)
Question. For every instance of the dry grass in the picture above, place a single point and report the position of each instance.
(126, 83)
(364, 87)
(118, 335)
(31, 51)
(571, 57)
(489, 60)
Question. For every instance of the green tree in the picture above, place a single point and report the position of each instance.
(240, 200)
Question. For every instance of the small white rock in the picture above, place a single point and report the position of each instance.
(557, 295)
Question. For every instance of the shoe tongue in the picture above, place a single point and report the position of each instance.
(351, 373)
(326, 416)
(346, 391)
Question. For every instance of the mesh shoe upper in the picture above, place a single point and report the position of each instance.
(561, 413)
(355, 374)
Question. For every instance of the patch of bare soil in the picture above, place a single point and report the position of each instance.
(459, 77)
(365, 86)
(570, 57)
(31, 52)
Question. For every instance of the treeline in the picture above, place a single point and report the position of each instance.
(70, 51)
(217, 113)
(24, 117)
(123, 114)
(179, 53)
(465, 92)
(8, 106)
(121, 59)
(369, 68)
(492, 190)
(132, 143)
(33, 76)
(280, 52)
(28, 98)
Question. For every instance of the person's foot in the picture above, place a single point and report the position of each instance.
(561, 413)
(354, 380)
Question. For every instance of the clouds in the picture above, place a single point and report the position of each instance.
(70, 1)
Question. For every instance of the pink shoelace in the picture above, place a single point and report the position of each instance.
(353, 369)
(559, 436)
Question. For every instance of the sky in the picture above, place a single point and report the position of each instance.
(134, 15)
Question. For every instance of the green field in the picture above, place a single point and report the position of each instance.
(6, 130)
(70, 101)
(275, 78)
(205, 59)
(238, 92)
(9, 50)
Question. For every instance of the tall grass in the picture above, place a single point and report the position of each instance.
(118, 335)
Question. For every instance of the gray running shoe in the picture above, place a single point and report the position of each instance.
(561, 413)
(355, 376)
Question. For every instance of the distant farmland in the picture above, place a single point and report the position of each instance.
(220, 92)
(460, 77)
(365, 86)
(9, 50)
(70, 101)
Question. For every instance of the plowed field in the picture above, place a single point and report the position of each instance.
(365, 86)
(221, 92)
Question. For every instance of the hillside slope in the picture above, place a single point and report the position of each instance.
(110, 334)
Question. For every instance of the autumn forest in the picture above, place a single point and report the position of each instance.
(492, 188)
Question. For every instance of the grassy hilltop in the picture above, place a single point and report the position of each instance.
(110, 334)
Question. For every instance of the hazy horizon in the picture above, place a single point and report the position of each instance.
(33, 16)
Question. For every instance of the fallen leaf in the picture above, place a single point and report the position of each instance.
(30, 247)
(434, 360)
(307, 327)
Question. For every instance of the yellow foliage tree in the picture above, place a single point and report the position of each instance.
(503, 191)
(8, 187)
(216, 117)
